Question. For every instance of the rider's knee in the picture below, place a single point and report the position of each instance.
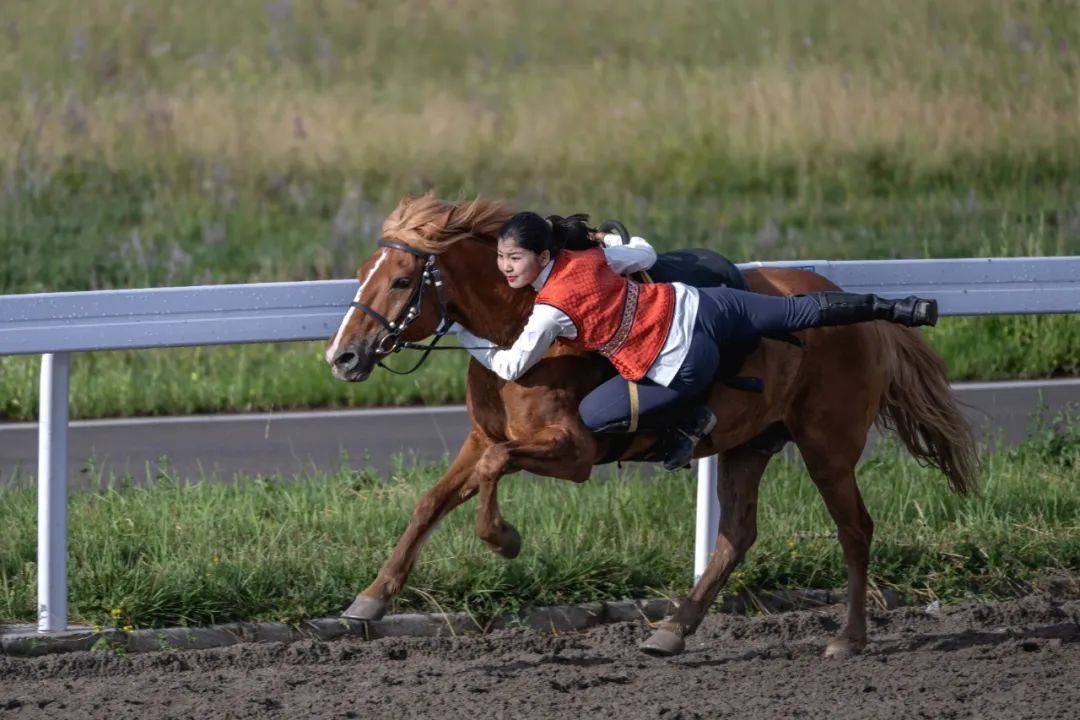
(589, 415)
(593, 414)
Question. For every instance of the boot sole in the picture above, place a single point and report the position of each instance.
(926, 313)
(708, 429)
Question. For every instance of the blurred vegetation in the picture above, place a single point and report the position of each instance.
(184, 143)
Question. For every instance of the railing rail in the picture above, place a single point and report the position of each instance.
(310, 310)
(56, 324)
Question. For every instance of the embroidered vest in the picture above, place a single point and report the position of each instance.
(622, 320)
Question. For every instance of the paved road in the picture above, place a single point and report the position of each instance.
(219, 446)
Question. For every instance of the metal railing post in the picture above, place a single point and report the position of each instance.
(52, 492)
(708, 513)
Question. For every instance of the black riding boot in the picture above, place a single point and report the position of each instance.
(841, 308)
(683, 435)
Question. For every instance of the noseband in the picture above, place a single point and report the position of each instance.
(411, 310)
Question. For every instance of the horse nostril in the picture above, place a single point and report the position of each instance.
(346, 360)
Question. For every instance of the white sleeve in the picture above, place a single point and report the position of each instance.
(625, 259)
(545, 323)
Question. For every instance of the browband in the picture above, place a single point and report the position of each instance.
(403, 246)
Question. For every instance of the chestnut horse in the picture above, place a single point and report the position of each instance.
(827, 395)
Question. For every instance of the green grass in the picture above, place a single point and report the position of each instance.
(150, 144)
(285, 549)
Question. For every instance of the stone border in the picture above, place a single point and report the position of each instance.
(27, 642)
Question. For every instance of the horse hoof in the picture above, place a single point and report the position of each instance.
(663, 643)
(507, 543)
(841, 648)
(365, 608)
(510, 543)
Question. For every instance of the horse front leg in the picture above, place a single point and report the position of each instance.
(556, 451)
(452, 489)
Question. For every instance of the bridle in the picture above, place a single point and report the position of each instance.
(410, 311)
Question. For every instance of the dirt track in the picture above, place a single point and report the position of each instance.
(1018, 659)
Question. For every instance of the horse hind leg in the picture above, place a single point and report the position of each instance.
(742, 469)
(843, 382)
(834, 476)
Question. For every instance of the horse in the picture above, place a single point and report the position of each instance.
(823, 393)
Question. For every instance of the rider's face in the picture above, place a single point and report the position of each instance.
(518, 265)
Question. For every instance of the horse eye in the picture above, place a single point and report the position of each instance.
(401, 282)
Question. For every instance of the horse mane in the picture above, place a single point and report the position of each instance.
(432, 225)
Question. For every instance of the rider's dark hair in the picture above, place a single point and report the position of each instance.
(552, 233)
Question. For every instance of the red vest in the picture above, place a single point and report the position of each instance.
(622, 320)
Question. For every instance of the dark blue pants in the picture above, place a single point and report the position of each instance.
(724, 315)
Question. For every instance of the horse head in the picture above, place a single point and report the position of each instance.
(421, 275)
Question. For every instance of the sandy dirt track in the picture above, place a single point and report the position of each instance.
(1015, 659)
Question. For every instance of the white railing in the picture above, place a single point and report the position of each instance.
(57, 324)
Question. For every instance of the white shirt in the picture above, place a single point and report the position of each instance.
(546, 323)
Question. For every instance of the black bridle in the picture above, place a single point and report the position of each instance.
(410, 311)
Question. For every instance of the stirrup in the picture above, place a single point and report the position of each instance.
(682, 440)
(679, 453)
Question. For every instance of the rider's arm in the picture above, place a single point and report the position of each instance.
(625, 259)
(545, 323)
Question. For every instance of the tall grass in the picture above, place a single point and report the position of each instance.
(301, 547)
(188, 138)
(152, 144)
(558, 95)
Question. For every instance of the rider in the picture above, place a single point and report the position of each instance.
(665, 337)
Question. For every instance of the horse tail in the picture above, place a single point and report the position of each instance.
(920, 407)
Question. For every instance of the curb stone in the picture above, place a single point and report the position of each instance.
(27, 642)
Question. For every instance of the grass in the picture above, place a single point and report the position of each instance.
(291, 548)
(149, 144)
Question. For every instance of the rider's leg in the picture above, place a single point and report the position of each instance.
(677, 409)
(607, 407)
(732, 314)
(678, 412)
(842, 308)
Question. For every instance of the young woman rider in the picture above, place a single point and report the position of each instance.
(666, 337)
